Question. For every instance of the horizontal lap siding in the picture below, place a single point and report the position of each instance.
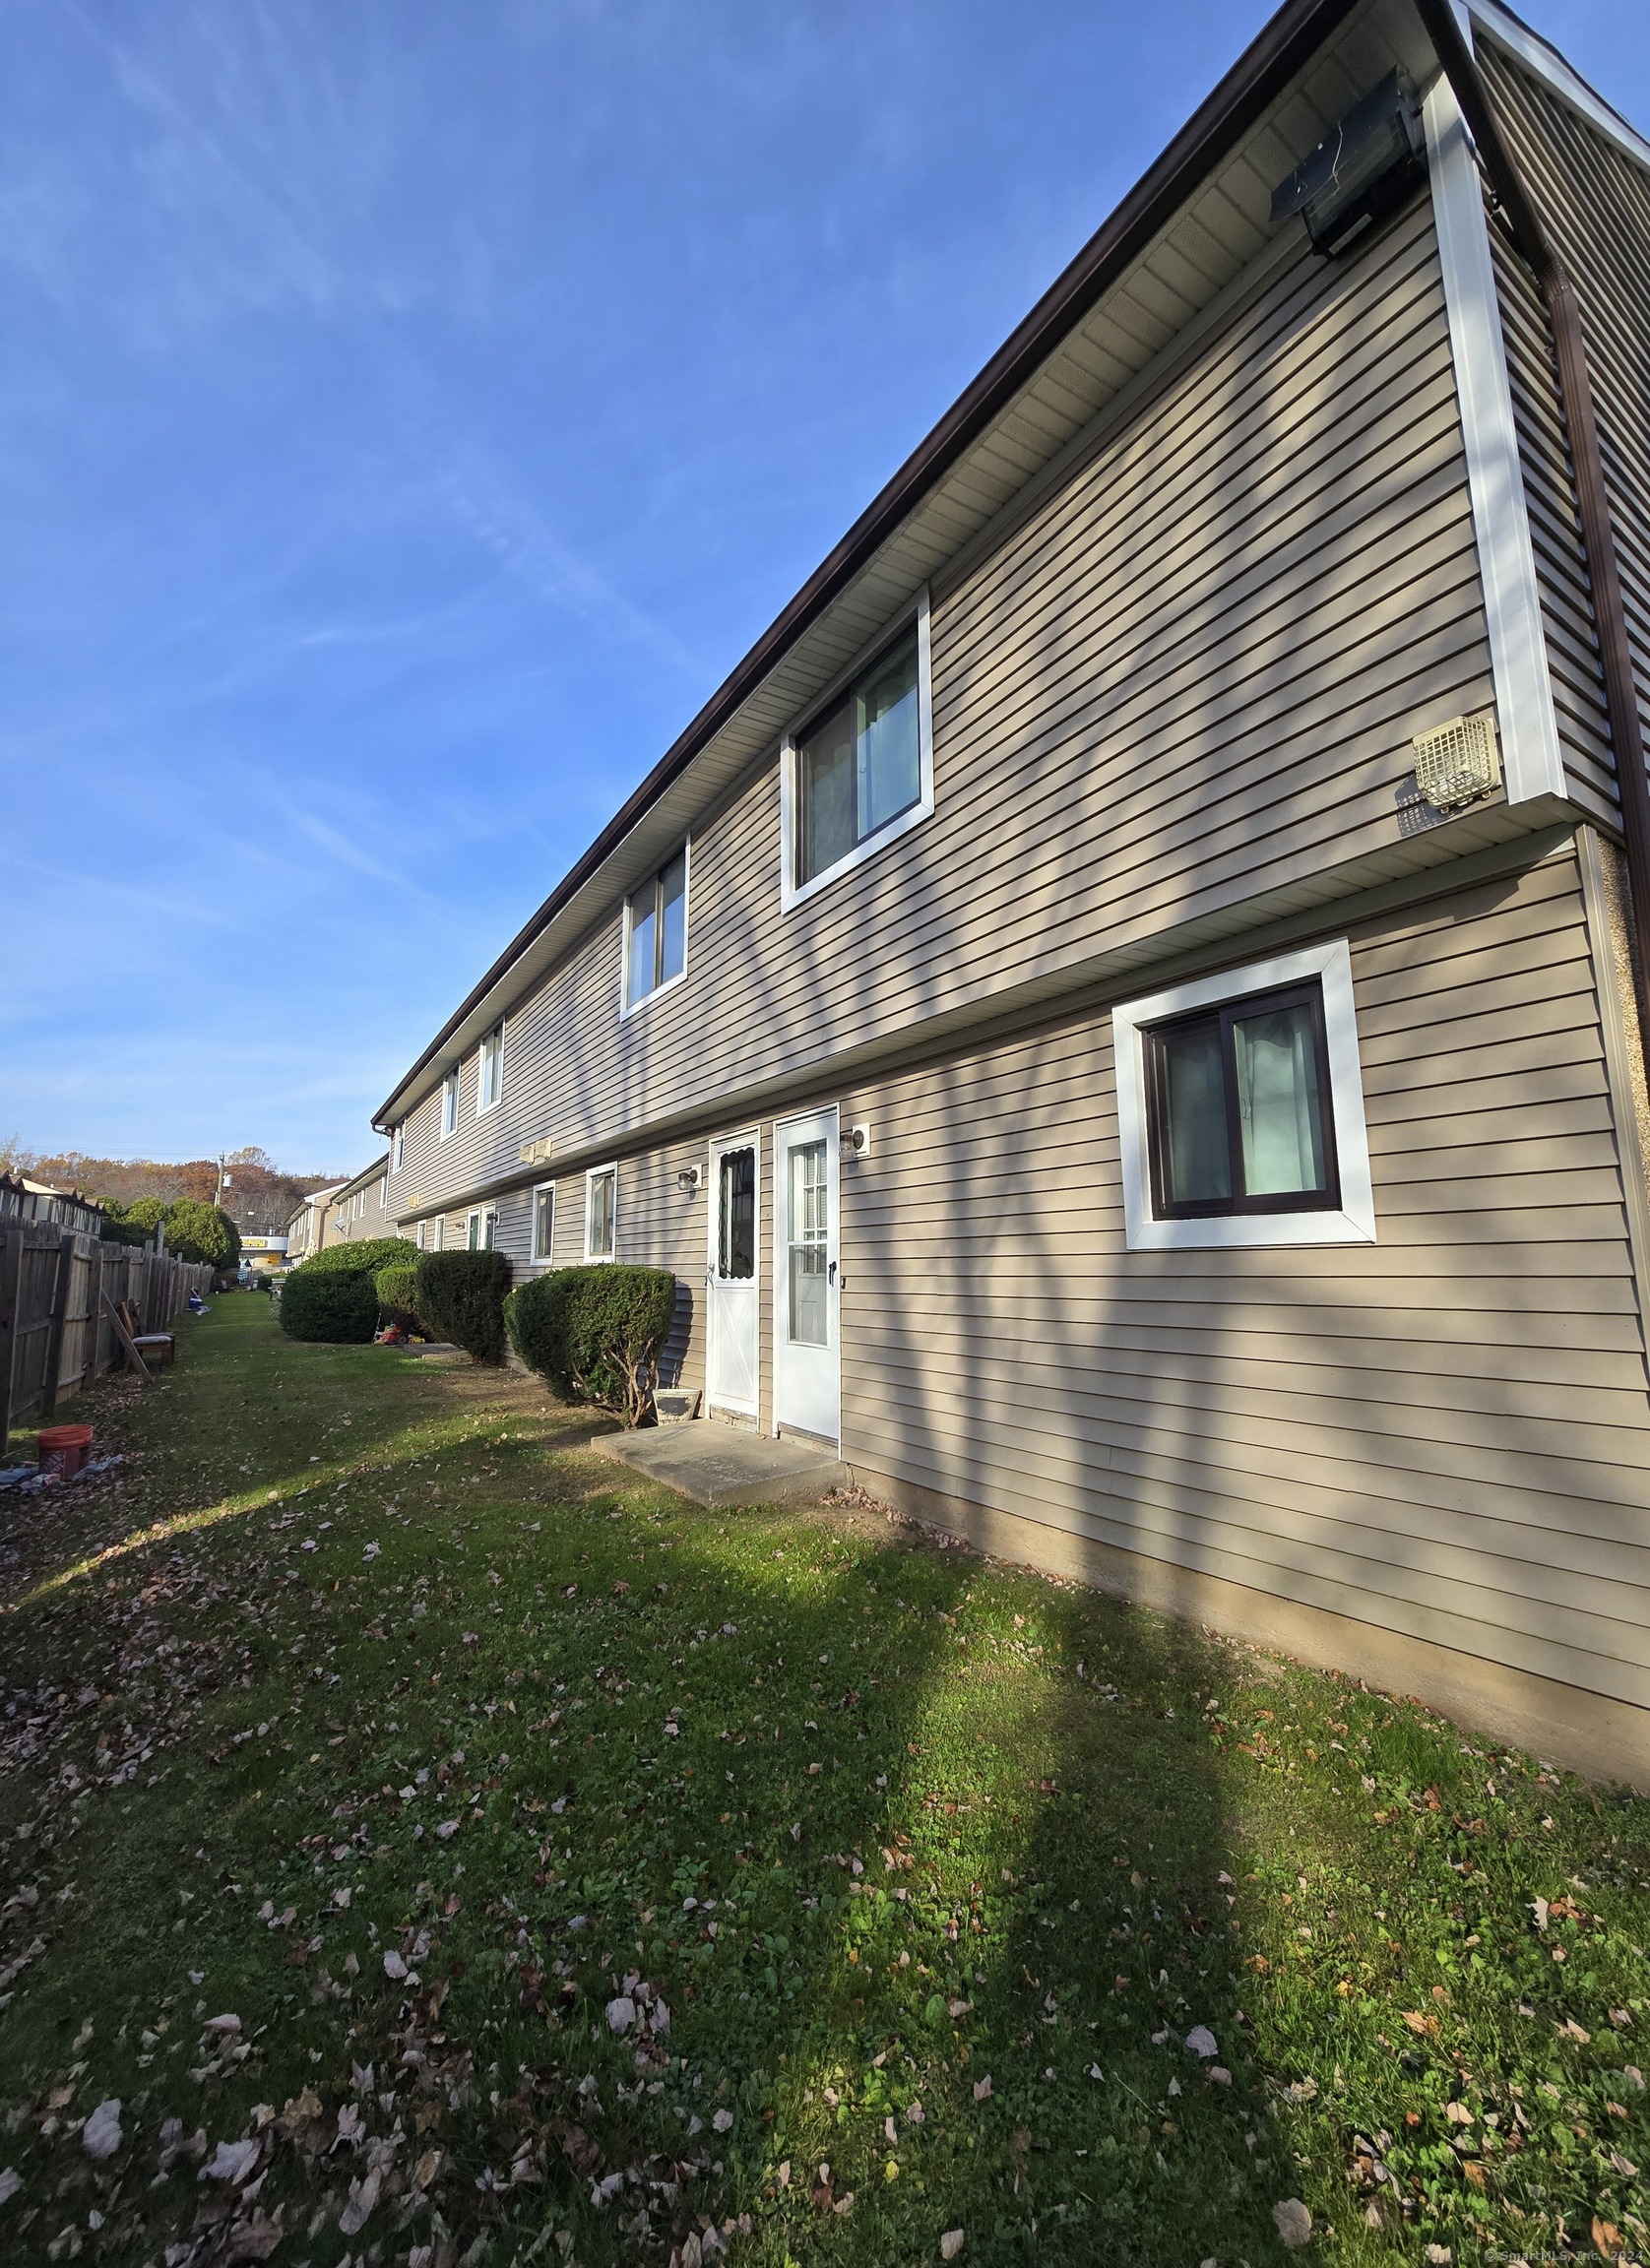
(1192, 674)
(1595, 202)
(1446, 1434)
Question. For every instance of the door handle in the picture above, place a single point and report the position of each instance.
(831, 1271)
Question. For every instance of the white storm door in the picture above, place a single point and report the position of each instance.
(806, 1355)
(731, 1286)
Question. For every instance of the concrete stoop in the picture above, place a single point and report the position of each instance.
(722, 1465)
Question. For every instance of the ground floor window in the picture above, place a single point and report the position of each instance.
(600, 1212)
(1241, 1109)
(544, 1221)
(482, 1229)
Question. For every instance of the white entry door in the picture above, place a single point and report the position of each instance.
(732, 1288)
(806, 1354)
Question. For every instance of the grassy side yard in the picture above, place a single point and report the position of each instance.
(423, 1845)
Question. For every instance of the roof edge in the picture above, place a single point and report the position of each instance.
(1260, 73)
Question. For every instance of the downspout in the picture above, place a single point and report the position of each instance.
(1575, 394)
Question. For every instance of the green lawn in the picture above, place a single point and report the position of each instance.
(371, 1749)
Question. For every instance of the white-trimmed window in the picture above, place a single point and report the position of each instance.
(544, 1221)
(656, 932)
(859, 772)
(1241, 1109)
(439, 1239)
(489, 1070)
(600, 1212)
(449, 1104)
(481, 1229)
(398, 1148)
(418, 1237)
(383, 1194)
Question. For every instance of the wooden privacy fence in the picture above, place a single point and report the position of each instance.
(57, 1288)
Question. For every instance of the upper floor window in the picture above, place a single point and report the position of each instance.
(600, 1212)
(862, 774)
(544, 1219)
(398, 1148)
(449, 1104)
(489, 1070)
(656, 931)
(1241, 1109)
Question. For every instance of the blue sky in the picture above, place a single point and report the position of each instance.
(409, 413)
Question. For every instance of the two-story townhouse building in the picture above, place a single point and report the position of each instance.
(308, 1224)
(358, 1209)
(1124, 1012)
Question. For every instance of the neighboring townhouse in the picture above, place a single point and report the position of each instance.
(358, 1209)
(1122, 1012)
(306, 1229)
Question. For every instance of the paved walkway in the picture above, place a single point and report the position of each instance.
(717, 1464)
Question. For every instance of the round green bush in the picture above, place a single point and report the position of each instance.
(460, 1296)
(325, 1303)
(595, 1332)
(396, 1290)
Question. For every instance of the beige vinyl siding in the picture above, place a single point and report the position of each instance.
(1595, 202)
(1446, 1434)
(659, 1225)
(1190, 674)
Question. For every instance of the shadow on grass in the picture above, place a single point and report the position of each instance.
(917, 1893)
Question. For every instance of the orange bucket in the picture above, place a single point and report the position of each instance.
(64, 1449)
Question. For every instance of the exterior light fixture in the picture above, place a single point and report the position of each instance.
(1362, 171)
(857, 1141)
(688, 1177)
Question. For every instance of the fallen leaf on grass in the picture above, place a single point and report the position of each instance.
(1295, 2224)
(100, 2136)
(983, 2089)
(231, 2162)
(951, 2244)
(1201, 2041)
(11, 2181)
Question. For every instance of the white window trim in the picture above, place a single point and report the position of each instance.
(498, 1033)
(595, 1258)
(444, 1132)
(791, 892)
(1355, 1221)
(398, 1148)
(1518, 661)
(537, 1258)
(627, 1006)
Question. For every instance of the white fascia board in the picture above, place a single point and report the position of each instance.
(1529, 724)
(1549, 67)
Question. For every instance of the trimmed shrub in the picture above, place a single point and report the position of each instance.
(595, 1332)
(397, 1293)
(365, 1258)
(133, 1224)
(460, 1296)
(325, 1303)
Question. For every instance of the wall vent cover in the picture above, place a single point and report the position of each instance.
(1457, 764)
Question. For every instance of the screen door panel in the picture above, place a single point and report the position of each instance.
(807, 1353)
(732, 1289)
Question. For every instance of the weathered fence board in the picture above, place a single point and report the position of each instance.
(56, 1286)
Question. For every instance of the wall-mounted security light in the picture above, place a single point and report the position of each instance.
(1364, 170)
(856, 1142)
(688, 1177)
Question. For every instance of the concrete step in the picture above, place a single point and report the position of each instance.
(714, 1464)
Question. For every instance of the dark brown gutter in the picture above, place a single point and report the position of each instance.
(1260, 74)
(1575, 392)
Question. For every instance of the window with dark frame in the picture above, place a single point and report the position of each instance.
(657, 916)
(1240, 1110)
(736, 1216)
(860, 766)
